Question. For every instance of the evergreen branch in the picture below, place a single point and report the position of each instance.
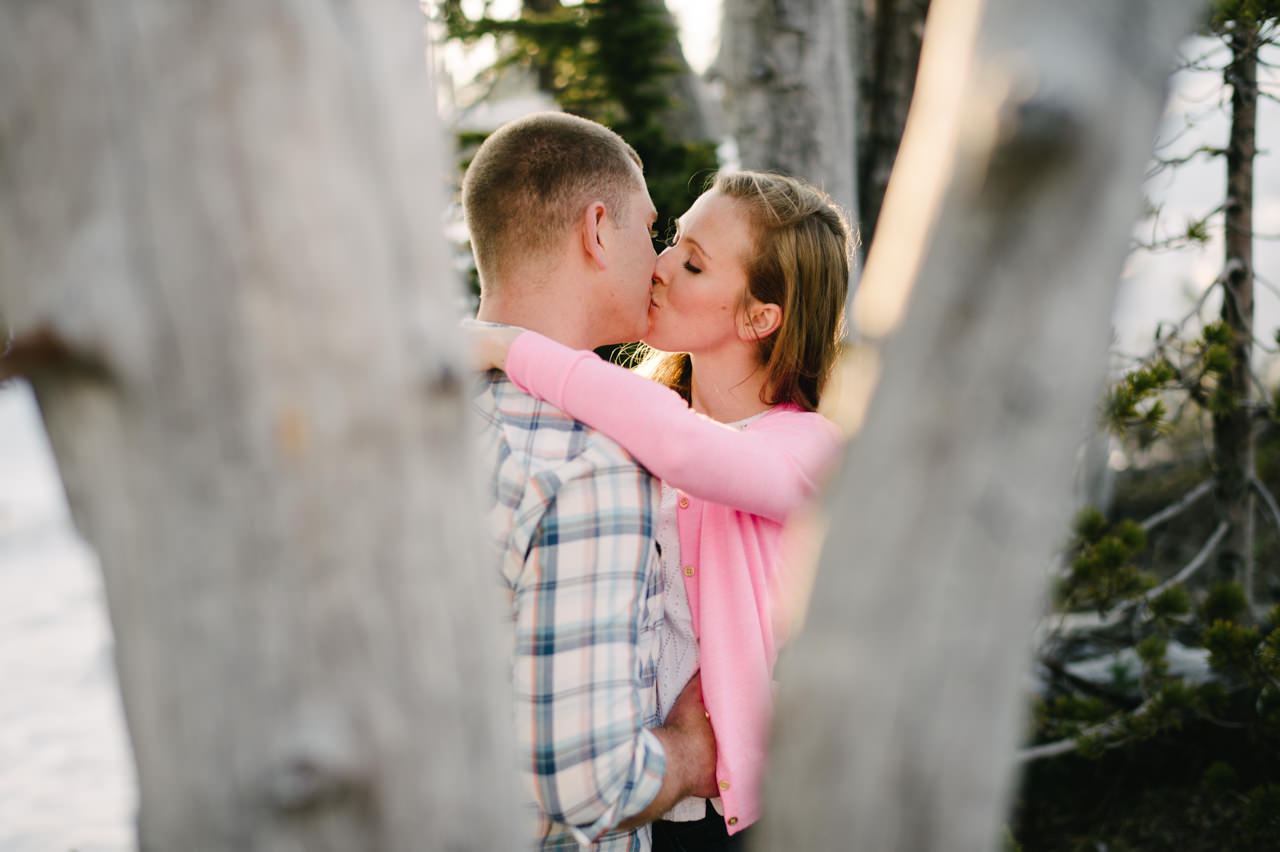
(1175, 509)
(1070, 744)
(1091, 623)
(1174, 243)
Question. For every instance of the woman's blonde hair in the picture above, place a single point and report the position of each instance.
(802, 247)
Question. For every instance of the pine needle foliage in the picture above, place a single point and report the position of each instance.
(613, 61)
(1159, 698)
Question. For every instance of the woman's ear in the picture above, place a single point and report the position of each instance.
(591, 228)
(761, 320)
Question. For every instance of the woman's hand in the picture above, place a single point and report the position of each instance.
(489, 345)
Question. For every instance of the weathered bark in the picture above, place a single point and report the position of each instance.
(1008, 216)
(220, 248)
(890, 34)
(789, 89)
(686, 118)
(1233, 445)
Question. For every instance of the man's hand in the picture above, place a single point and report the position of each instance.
(690, 747)
(688, 719)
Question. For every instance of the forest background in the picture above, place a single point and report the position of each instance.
(1217, 791)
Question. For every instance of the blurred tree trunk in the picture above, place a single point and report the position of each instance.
(685, 118)
(1010, 214)
(220, 256)
(789, 82)
(889, 34)
(1233, 444)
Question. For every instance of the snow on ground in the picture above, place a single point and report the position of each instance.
(66, 777)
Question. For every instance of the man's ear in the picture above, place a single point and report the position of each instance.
(591, 227)
(760, 320)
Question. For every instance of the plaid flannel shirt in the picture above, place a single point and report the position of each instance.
(572, 522)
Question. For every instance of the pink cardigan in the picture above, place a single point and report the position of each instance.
(737, 487)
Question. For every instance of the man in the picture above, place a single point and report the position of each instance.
(561, 226)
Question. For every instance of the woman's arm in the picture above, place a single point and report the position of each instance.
(769, 469)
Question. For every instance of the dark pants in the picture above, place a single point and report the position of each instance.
(705, 835)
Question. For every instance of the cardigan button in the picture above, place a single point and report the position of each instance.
(733, 820)
(724, 785)
(684, 502)
(688, 570)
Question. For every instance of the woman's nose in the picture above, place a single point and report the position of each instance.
(661, 269)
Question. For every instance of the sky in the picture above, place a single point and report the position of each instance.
(1165, 286)
(699, 24)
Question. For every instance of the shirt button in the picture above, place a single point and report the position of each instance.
(688, 570)
(733, 820)
(724, 785)
(684, 502)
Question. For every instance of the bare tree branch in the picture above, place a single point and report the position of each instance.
(1184, 239)
(1207, 151)
(1197, 63)
(1196, 563)
(1175, 509)
(1272, 508)
(1077, 623)
(1066, 746)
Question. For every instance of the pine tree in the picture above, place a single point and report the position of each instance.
(617, 62)
(1184, 726)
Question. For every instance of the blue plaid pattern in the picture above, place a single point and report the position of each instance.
(571, 520)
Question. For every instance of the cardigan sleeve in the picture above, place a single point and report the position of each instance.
(770, 469)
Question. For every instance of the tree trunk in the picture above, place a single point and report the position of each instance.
(221, 258)
(686, 117)
(1232, 429)
(890, 33)
(901, 702)
(789, 89)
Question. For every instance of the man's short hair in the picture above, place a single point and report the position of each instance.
(533, 177)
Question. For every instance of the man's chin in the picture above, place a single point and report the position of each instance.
(642, 330)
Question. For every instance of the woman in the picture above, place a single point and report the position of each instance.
(750, 294)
